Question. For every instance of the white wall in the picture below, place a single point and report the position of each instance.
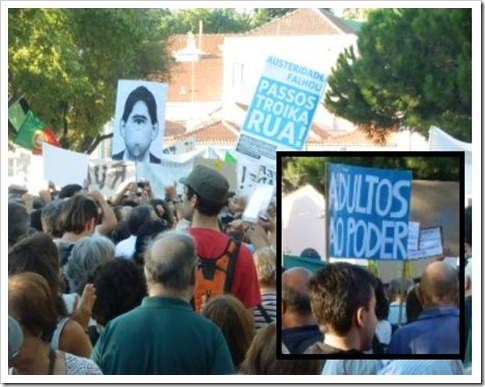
(246, 56)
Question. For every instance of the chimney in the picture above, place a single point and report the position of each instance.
(201, 31)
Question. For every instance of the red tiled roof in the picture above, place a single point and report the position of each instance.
(357, 137)
(207, 71)
(173, 128)
(218, 133)
(303, 21)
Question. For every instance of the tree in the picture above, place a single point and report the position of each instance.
(66, 63)
(215, 21)
(261, 16)
(356, 13)
(413, 69)
(298, 171)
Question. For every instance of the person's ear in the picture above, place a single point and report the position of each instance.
(284, 307)
(360, 316)
(155, 131)
(194, 200)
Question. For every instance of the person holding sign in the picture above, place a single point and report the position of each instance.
(139, 126)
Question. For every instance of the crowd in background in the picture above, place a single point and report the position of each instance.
(101, 286)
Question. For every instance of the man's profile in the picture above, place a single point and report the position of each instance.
(139, 126)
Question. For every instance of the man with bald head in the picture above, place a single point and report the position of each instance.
(300, 329)
(164, 336)
(437, 328)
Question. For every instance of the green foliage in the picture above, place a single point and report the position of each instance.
(215, 21)
(299, 171)
(261, 16)
(66, 63)
(356, 13)
(413, 69)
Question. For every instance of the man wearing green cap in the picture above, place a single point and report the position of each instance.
(205, 194)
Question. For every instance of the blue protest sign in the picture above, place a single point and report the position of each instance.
(282, 109)
(368, 210)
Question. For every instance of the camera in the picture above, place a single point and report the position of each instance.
(226, 219)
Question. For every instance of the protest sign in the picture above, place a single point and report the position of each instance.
(110, 175)
(368, 211)
(168, 173)
(72, 170)
(251, 174)
(430, 243)
(180, 147)
(139, 121)
(258, 203)
(413, 235)
(282, 110)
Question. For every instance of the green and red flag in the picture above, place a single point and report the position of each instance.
(31, 132)
(17, 112)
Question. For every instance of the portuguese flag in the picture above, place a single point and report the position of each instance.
(31, 132)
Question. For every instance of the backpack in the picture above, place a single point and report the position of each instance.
(214, 276)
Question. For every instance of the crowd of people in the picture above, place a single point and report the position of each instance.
(182, 285)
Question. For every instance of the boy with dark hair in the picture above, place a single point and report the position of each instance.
(343, 301)
(205, 194)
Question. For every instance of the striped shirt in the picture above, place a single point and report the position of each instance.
(268, 303)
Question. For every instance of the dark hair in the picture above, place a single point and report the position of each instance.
(167, 215)
(32, 303)
(35, 221)
(336, 292)
(141, 93)
(77, 213)
(18, 222)
(261, 357)
(235, 322)
(120, 232)
(38, 254)
(138, 216)
(204, 206)
(382, 302)
(296, 302)
(145, 234)
(413, 305)
(69, 190)
(120, 287)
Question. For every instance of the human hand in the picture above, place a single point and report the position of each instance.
(82, 310)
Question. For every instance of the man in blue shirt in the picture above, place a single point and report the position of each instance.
(437, 329)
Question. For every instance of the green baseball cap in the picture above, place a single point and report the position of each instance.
(207, 183)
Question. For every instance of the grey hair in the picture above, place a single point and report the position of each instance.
(50, 215)
(86, 254)
(265, 262)
(171, 267)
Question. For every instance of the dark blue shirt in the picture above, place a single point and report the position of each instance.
(436, 331)
(298, 339)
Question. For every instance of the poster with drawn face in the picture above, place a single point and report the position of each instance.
(282, 110)
(139, 121)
